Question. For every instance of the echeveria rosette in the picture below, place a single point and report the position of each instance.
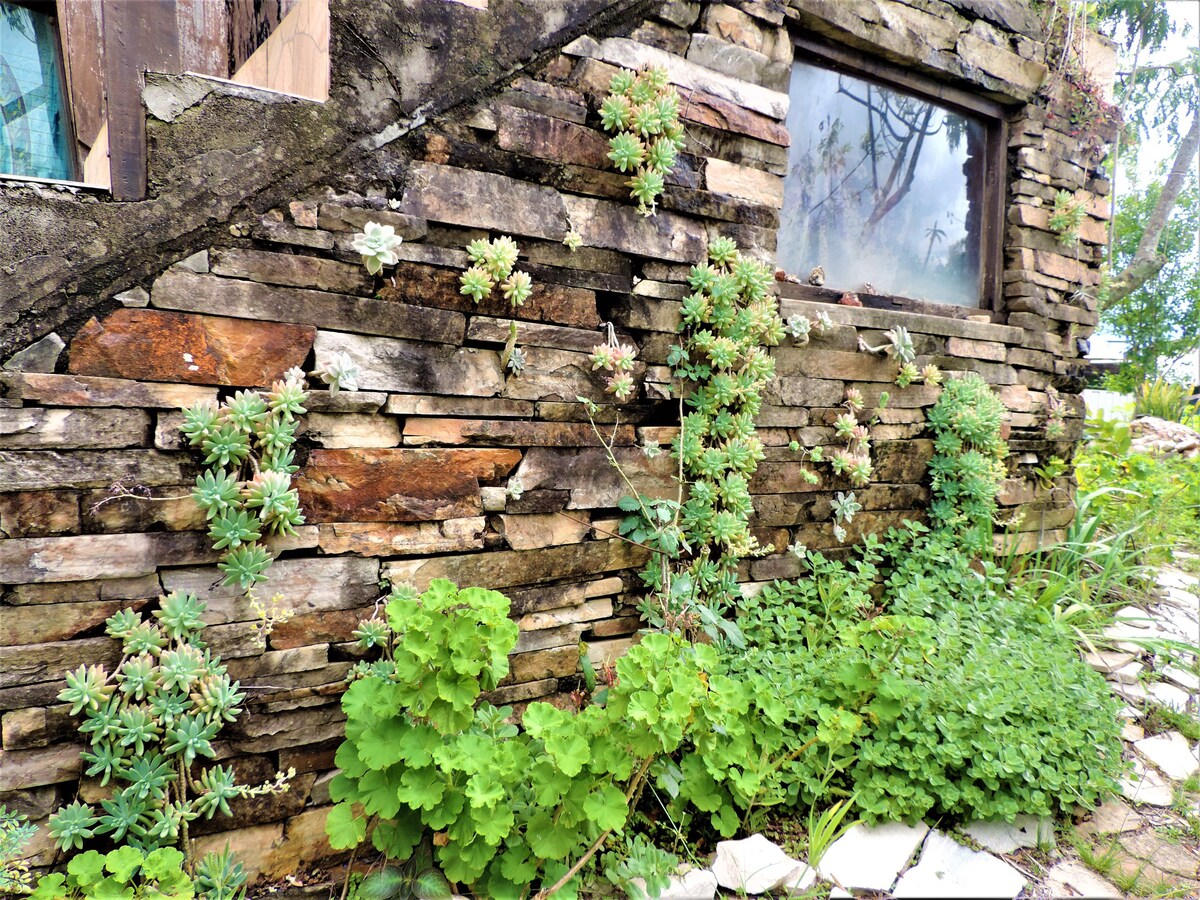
(339, 371)
(377, 244)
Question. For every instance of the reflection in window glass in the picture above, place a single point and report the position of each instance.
(884, 189)
(33, 132)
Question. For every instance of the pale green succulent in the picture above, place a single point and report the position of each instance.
(377, 244)
(339, 372)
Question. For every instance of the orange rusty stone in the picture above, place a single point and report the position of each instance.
(151, 345)
(398, 485)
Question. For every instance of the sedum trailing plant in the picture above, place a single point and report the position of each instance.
(1067, 216)
(642, 110)
(246, 492)
(150, 723)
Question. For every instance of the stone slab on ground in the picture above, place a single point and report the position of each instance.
(1171, 753)
(753, 865)
(871, 857)
(696, 884)
(1162, 854)
(999, 836)
(1146, 788)
(1170, 696)
(1113, 817)
(948, 869)
(1073, 879)
(1106, 661)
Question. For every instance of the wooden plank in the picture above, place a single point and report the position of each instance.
(80, 28)
(295, 57)
(203, 37)
(250, 24)
(137, 37)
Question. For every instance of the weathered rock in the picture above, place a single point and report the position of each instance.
(20, 769)
(388, 364)
(387, 539)
(38, 513)
(753, 865)
(166, 346)
(33, 560)
(1004, 837)
(520, 567)
(337, 217)
(587, 611)
(544, 530)
(872, 857)
(602, 223)
(400, 485)
(1161, 853)
(591, 480)
(1073, 879)
(291, 270)
(1170, 696)
(744, 182)
(483, 200)
(1171, 753)
(77, 390)
(40, 356)
(546, 137)
(508, 433)
(555, 662)
(32, 428)
(55, 622)
(251, 300)
(695, 884)
(948, 869)
(1112, 817)
(32, 470)
(339, 431)
(1146, 788)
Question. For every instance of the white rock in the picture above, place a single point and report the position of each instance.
(1072, 879)
(1170, 696)
(871, 857)
(1174, 578)
(947, 869)
(1183, 678)
(754, 865)
(696, 884)
(1106, 661)
(1128, 712)
(1130, 693)
(1128, 673)
(799, 883)
(1146, 788)
(1005, 837)
(1171, 753)
(1134, 617)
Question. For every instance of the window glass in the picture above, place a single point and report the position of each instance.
(33, 128)
(884, 190)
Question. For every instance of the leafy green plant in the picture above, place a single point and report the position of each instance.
(1067, 215)
(415, 879)
(513, 807)
(643, 110)
(637, 858)
(220, 876)
(126, 873)
(15, 835)
(148, 723)
(246, 490)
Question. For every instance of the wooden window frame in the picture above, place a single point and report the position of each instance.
(49, 8)
(991, 114)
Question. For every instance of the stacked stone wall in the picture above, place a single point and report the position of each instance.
(407, 477)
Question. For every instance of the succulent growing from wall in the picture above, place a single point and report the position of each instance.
(1067, 216)
(148, 723)
(643, 111)
(493, 264)
(377, 244)
(246, 491)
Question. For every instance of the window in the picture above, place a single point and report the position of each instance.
(34, 138)
(889, 190)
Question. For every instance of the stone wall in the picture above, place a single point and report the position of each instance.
(247, 270)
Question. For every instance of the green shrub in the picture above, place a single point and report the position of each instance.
(127, 873)
(959, 700)
(1163, 399)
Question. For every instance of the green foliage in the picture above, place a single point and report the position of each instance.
(826, 828)
(643, 110)
(15, 834)
(126, 873)
(246, 491)
(1067, 215)
(638, 858)
(918, 680)
(514, 807)
(148, 722)
(1164, 399)
(1158, 496)
(967, 465)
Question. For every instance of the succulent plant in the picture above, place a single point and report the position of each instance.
(340, 372)
(377, 244)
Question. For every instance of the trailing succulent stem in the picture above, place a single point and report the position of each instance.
(643, 110)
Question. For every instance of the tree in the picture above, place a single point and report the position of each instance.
(1160, 318)
(1155, 97)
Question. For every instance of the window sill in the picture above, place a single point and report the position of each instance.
(882, 312)
(6, 178)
